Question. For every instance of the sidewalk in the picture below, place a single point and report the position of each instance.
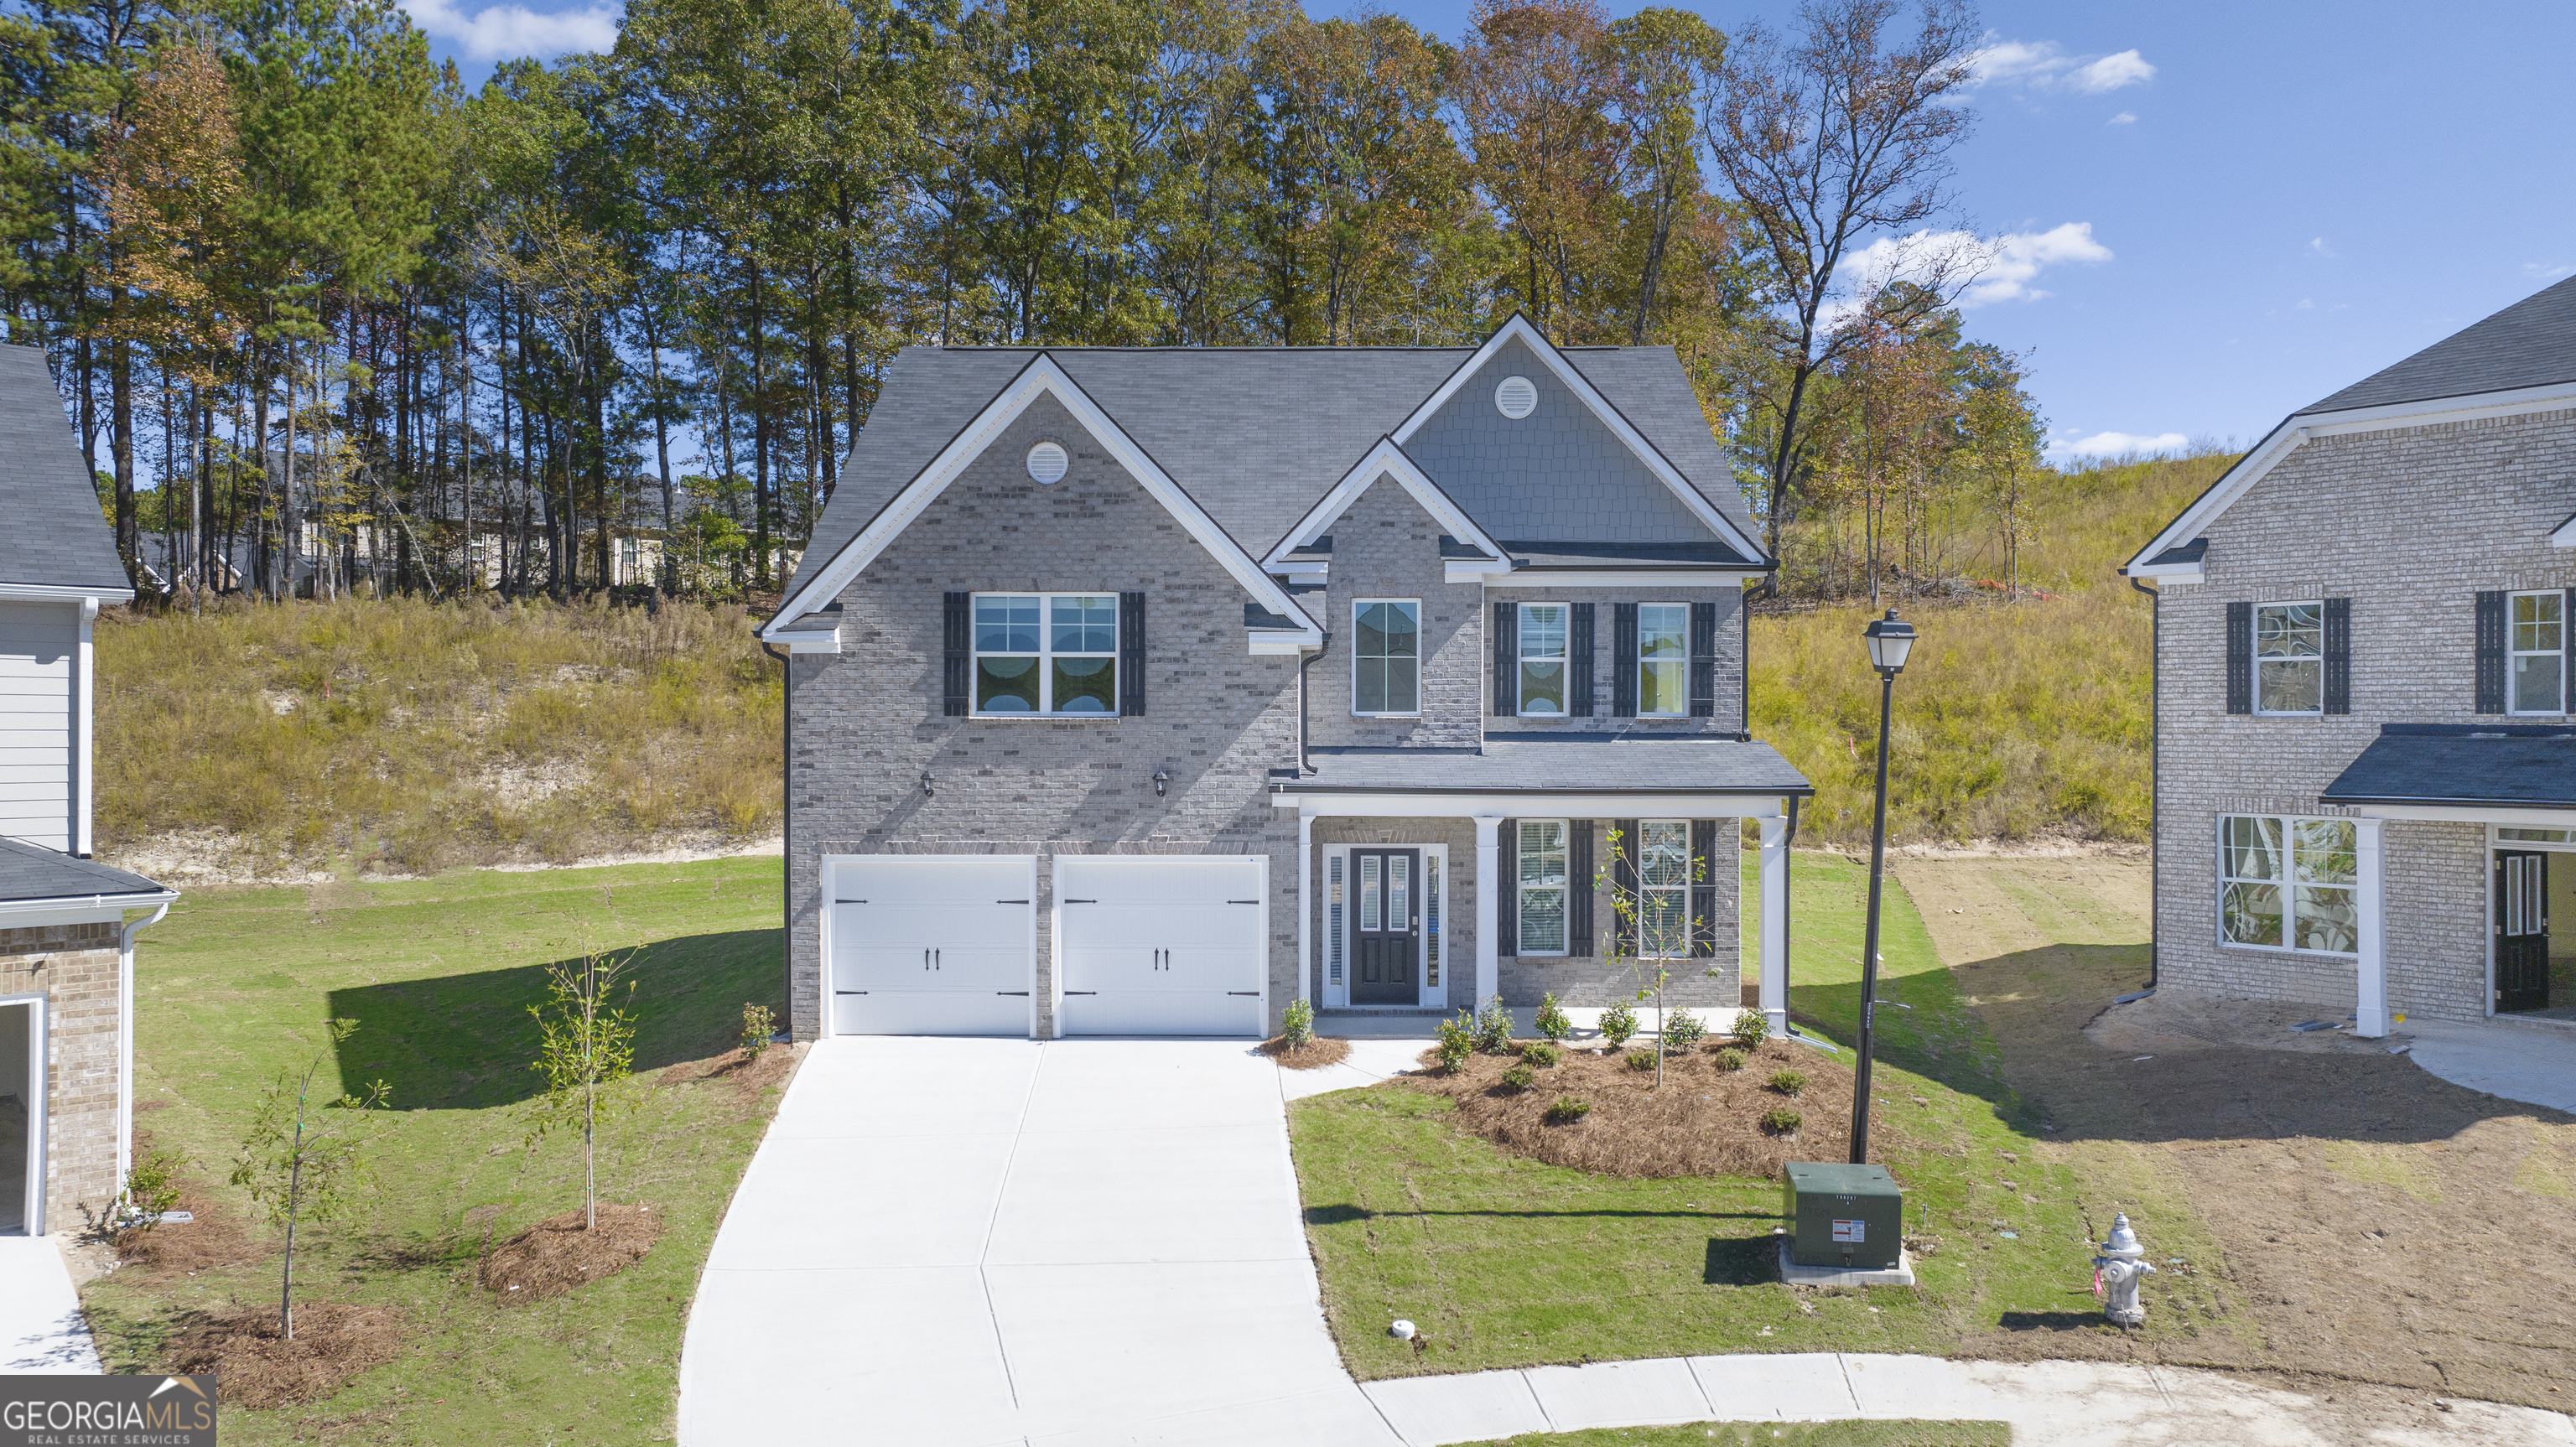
(2527, 1060)
(41, 1329)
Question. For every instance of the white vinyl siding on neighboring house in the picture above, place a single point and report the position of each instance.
(38, 645)
(2537, 637)
(2289, 657)
(2287, 883)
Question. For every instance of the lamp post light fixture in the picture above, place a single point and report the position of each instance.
(1889, 639)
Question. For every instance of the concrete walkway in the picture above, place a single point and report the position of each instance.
(970, 1243)
(41, 1327)
(2532, 1061)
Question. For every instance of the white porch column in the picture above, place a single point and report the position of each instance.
(2370, 1014)
(1305, 902)
(1489, 895)
(1775, 924)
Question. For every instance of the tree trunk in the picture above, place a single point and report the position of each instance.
(120, 381)
(759, 438)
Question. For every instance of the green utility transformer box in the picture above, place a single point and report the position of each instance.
(1852, 1217)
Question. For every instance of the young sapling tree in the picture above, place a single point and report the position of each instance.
(300, 1156)
(585, 1052)
(1651, 882)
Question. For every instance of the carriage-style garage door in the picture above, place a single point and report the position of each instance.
(933, 946)
(1161, 946)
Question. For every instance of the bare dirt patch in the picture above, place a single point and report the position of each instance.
(2380, 1224)
(259, 1368)
(1703, 1120)
(558, 1253)
(750, 1075)
(1318, 1052)
(210, 1238)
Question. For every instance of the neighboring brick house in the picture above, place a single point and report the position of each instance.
(66, 923)
(2365, 764)
(1147, 691)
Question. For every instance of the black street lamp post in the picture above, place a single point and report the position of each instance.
(1889, 640)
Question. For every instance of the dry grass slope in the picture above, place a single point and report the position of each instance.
(413, 737)
(2015, 721)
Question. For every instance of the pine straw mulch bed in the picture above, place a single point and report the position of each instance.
(213, 1238)
(1319, 1052)
(259, 1368)
(1703, 1122)
(558, 1253)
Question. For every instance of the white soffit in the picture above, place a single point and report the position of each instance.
(1519, 328)
(1043, 376)
(1385, 459)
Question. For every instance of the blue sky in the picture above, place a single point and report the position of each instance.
(2203, 215)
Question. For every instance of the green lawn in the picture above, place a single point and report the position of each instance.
(1779, 1434)
(1506, 1262)
(234, 987)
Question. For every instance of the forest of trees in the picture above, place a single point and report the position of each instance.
(307, 297)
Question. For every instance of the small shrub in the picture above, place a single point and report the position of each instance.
(1617, 1024)
(1751, 1028)
(1494, 1028)
(1730, 1060)
(1567, 1109)
(758, 1024)
(151, 1188)
(1541, 1054)
(1682, 1031)
(1781, 1120)
(1787, 1082)
(1297, 1026)
(1641, 1060)
(1519, 1078)
(1456, 1042)
(1551, 1018)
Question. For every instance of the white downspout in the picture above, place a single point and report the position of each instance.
(125, 1041)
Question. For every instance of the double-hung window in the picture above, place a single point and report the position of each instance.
(1386, 665)
(1046, 653)
(1543, 634)
(2287, 883)
(2289, 657)
(1542, 886)
(1663, 888)
(2539, 644)
(1663, 660)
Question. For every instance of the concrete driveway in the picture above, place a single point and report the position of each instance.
(979, 1242)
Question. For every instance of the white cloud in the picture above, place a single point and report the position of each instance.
(2538, 272)
(2124, 118)
(1990, 269)
(505, 32)
(2317, 247)
(2121, 444)
(2045, 65)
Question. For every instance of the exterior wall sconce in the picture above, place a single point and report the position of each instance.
(1162, 781)
(925, 783)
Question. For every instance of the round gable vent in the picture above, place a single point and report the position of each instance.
(1046, 462)
(1516, 398)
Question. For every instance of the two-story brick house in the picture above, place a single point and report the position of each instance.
(1146, 691)
(2365, 766)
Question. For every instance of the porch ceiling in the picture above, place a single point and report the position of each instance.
(1559, 763)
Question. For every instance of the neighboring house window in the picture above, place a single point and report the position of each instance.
(1663, 659)
(1053, 653)
(1386, 667)
(1543, 885)
(630, 560)
(2539, 645)
(2289, 657)
(2287, 884)
(1543, 636)
(1663, 888)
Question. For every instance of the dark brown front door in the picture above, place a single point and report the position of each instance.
(2522, 930)
(1390, 926)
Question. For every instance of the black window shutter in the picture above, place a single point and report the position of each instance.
(1703, 678)
(2338, 655)
(2491, 652)
(2240, 658)
(1507, 659)
(956, 610)
(1507, 889)
(1131, 654)
(1623, 660)
(1578, 661)
(1578, 888)
(1623, 888)
(1704, 866)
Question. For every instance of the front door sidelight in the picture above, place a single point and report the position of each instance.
(1389, 933)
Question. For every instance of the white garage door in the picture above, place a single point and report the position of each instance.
(1161, 946)
(933, 946)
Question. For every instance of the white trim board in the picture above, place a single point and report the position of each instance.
(1042, 377)
(1426, 995)
(1532, 805)
(1385, 459)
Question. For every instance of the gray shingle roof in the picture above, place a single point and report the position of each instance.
(1622, 555)
(1256, 436)
(1560, 763)
(53, 536)
(2531, 343)
(2489, 764)
(29, 872)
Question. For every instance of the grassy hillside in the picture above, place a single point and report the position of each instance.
(412, 737)
(2014, 721)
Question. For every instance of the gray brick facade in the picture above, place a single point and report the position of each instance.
(74, 969)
